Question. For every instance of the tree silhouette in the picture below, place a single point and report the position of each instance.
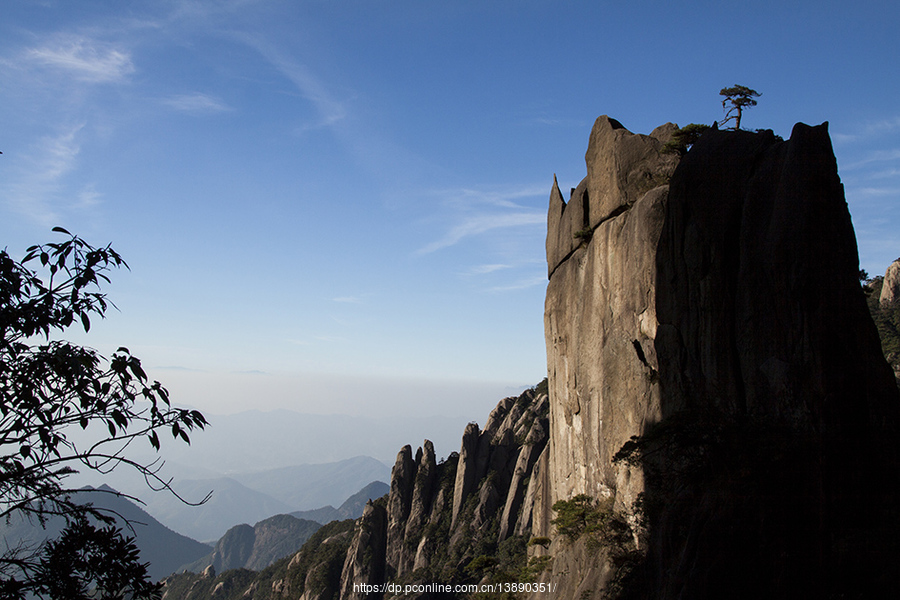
(739, 97)
(50, 388)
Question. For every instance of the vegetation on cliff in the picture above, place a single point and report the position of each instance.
(887, 319)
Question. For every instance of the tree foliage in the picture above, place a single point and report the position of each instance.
(684, 137)
(49, 389)
(735, 100)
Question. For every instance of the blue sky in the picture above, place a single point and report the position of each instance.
(339, 206)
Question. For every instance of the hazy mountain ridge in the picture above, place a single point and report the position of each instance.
(164, 549)
(310, 486)
(231, 503)
(352, 508)
(252, 497)
(256, 547)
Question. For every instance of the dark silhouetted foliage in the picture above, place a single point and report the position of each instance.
(738, 97)
(684, 138)
(50, 388)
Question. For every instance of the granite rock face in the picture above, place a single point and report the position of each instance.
(621, 167)
(438, 514)
(890, 287)
(364, 565)
(717, 306)
(600, 311)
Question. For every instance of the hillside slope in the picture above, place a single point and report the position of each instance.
(163, 548)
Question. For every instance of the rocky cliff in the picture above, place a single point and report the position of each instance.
(256, 547)
(445, 522)
(890, 289)
(715, 379)
(884, 305)
(460, 521)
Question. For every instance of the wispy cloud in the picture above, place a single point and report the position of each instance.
(479, 224)
(485, 269)
(84, 59)
(476, 212)
(330, 110)
(88, 197)
(869, 130)
(888, 125)
(501, 198)
(873, 157)
(348, 300)
(877, 191)
(35, 191)
(331, 338)
(521, 284)
(197, 103)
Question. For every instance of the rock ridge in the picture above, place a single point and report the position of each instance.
(441, 522)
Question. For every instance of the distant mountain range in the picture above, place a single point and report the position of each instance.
(352, 508)
(251, 497)
(254, 441)
(163, 548)
(242, 546)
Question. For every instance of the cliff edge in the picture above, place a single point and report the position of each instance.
(715, 377)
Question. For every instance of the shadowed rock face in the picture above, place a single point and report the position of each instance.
(726, 306)
(758, 299)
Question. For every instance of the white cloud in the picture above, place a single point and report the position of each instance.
(875, 191)
(88, 197)
(483, 223)
(329, 109)
(84, 59)
(197, 103)
(869, 130)
(522, 284)
(480, 211)
(485, 269)
(883, 126)
(34, 192)
(502, 197)
(873, 157)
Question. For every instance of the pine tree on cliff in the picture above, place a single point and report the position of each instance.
(739, 97)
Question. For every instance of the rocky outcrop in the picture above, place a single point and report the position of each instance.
(420, 506)
(884, 306)
(256, 547)
(441, 522)
(890, 286)
(365, 562)
(402, 477)
(685, 315)
(457, 509)
(758, 295)
(600, 313)
(621, 167)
